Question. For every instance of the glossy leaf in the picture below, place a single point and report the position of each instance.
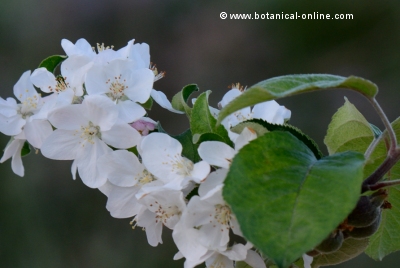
(285, 199)
(261, 127)
(350, 249)
(289, 85)
(179, 101)
(189, 149)
(348, 130)
(202, 121)
(52, 62)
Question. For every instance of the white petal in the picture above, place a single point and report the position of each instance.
(140, 85)
(8, 107)
(216, 153)
(13, 150)
(254, 260)
(70, 117)
(153, 229)
(244, 138)
(24, 87)
(101, 111)
(121, 136)
(122, 202)
(213, 180)
(37, 131)
(272, 112)
(120, 167)
(44, 80)
(307, 261)
(200, 171)
(129, 111)
(87, 163)
(74, 169)
(61, 145)
(162, 100)
(11, 126)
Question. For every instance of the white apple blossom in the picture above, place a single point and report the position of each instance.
(164, 208)
(161, 155)
(122, 84)
(82, 134)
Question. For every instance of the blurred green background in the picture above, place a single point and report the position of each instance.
(49, 220)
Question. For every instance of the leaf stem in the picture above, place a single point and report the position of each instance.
(383, 184)
(388, 126)
(371, 147)
(384, 168)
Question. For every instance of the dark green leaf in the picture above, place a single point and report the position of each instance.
(261, 127)
(189, 149)
(287, 201)
(52, 62)
(202, 121)
(179, 101)
(284, 86)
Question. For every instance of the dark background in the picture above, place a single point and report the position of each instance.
(49, 220)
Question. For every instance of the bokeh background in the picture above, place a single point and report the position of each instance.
(49, 220)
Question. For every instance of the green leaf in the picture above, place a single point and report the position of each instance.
(261, 127)
(284, 86)
(350, 249)
(376, 130)
(179, 101)
(348, 130)
(148, 104)
(202, 121)
(52, 62)
(287, 201)
(387, 239)
(189, 149)
(26, 149)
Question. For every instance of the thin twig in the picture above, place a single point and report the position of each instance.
(388, 126)
(383, 184)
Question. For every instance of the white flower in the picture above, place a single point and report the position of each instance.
(83, 132)
(28, 116)
(164, 207)
(161, 155)
(122, 84)
(205, 224)
(163, 101)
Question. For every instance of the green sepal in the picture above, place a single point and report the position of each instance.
(377, 132)
(261, 127)
(285, 199)
(289, 85)
(52, 62)
(179, 101)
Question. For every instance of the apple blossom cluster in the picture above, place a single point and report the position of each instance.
(93, 113)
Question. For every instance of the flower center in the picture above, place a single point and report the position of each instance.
(28, 105)
(164, 213)
(183, 166)
(61, 85)
(90, 132)
(222, 214)
(145, 178)
(117, 87)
